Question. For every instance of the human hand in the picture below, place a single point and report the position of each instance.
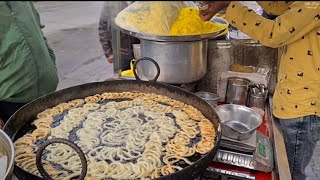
(110, 59)
(213, 8)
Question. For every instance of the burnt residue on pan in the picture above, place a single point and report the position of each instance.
(73, 137)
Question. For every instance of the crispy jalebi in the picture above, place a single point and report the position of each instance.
(130, 136)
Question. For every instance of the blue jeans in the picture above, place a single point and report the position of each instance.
(300, 136)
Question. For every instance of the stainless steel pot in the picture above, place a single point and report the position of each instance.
(237, 89)
(180, 62)
(182, 59)
(238, 122)
(6, 160)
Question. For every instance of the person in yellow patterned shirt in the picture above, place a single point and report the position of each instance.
(296, 100)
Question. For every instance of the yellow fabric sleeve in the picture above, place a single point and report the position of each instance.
(285, 29)
(275, 7)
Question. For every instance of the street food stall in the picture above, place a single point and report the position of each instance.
(233, 163)
(192, 110)
(263, 155)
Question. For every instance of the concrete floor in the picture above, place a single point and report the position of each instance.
(71, 28)
(72, 32)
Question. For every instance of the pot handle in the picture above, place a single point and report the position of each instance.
(39, 164)
(146, 59)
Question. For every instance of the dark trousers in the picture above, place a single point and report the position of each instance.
(7, 109)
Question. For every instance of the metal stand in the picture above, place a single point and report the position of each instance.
(280, 154)
(116, 49)
(116, 44)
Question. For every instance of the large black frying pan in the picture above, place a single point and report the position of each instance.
(20, 123)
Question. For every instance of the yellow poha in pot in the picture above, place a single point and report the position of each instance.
(189, 22)
(174, 18)
(154, 17)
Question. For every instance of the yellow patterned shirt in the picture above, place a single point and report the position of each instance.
(297, 31)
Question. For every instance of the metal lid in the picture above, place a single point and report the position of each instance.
(238, 81)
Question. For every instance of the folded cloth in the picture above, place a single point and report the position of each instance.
(129, 72)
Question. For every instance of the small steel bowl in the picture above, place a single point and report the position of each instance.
(210, 98)
(238, 122)
(6, 147)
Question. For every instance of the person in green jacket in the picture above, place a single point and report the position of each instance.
(27, 63)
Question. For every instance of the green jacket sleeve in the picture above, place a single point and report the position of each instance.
(52, 55)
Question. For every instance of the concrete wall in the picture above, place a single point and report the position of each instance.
(223, 53)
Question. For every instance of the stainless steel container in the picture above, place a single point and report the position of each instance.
(257, 96)
(238, 122)
(179, 62)
(6, 148)
(257, 101)
(237, 90)
(210, 98)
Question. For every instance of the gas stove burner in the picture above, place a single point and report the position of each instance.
(191, 87)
